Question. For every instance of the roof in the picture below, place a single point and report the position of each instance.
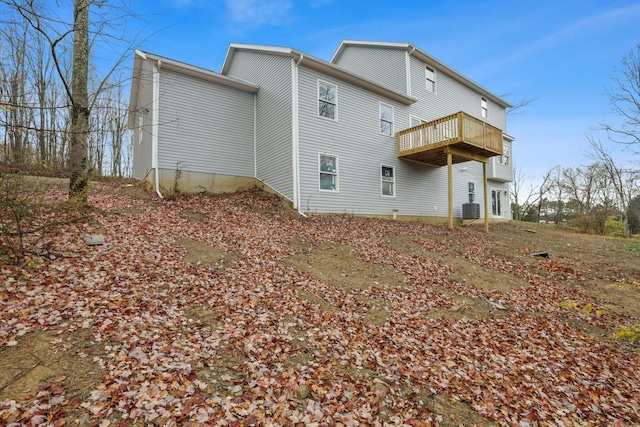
(182, 68)
(321, 66)
(426, 58)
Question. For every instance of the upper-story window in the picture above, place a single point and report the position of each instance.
(386, 119)
(484, 108)
(327, 100)
(431, 79)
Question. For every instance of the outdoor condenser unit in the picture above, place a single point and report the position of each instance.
(470, 211)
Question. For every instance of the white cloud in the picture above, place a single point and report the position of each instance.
(258, 12)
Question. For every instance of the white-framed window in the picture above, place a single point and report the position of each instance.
(431, 79)
(386, 119)
(388, 181)
(415, 121)
(327, 100)
(496, 202)
(472, 192)
(504, 159)
(484, 108)
(328, 172)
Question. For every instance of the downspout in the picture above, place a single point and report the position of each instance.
(296, 143)
(154, 124)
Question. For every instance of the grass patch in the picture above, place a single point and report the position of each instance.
(628, 333)
(634, 248)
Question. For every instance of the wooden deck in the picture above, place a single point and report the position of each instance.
(463, 136)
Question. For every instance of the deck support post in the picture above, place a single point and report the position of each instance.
(450, 178)
(486, 197)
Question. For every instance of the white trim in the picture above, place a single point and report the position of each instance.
(408, 69)
(295, 149)
(380, 104)
(255, 135)
(501, 191)
(318, 99)
(393, 181)
(155, 123)
(335, 173)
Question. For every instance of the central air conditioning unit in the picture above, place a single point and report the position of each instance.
(470, 211)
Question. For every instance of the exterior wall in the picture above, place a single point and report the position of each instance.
(450, 97)
(421, 190)
(174, 181)
(383, 65)
(501, 167)
(204, 127)
(274, 116)
(142, 144)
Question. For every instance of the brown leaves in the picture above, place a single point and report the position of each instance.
(280, 346)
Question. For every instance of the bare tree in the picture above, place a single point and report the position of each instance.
(76, 86)
(518, 103)
(624, 182)
(523, 196)
(624, 97)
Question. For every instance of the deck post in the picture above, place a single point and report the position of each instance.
(486, 197)
(450, 176)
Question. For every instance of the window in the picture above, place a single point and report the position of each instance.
(328, 172)
(327, 100)
(414, 121)
(431, 79)
(483, 106)
(496, 202)
(504, 159)
(388, 181)
(386, 119)
(472, 192)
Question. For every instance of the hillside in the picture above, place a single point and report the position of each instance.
(201, 310)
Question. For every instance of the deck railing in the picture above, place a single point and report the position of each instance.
(449, 130)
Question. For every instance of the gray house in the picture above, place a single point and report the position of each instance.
(382, 129)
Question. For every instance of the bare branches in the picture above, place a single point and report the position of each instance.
(624, 98)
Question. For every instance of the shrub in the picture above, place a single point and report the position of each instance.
(615, 227)
(27, 218)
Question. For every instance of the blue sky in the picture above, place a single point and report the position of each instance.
(562, 52)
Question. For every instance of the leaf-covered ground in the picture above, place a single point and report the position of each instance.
(236, 311)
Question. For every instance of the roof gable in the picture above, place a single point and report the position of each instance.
(321, 66)
(424, 57)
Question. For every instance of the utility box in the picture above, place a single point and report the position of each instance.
(470, 211)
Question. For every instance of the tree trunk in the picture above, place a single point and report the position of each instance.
(78, 165)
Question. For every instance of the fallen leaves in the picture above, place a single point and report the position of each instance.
(262, 351)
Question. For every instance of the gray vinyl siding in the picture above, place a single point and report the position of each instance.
(383, 65)
(499, 171)
(450, 97)
(361, 150)
(142, 143)
(274, 123)
(204, 126)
